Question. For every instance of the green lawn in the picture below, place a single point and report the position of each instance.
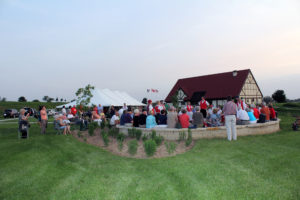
(60, 167)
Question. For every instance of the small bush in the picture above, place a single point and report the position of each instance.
(105, 138)
(102, 125)
(158, 140)
(153, 134)
(145, 137)
(132, 147)
(120, 139)
(182, 136)
(92, 126)
(113, 132)
(131, 132)
(150, 147)
(189, 139)
(84, 139)
(79, 134)
(138, 134)
(171, 147)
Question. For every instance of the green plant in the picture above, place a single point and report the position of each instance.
(131, 132)
(138, 134)
(150, 147)
(182, 136)
(153, 134)
(171, 147)
(105, 138)
(92, 126)
(145, 137)
(189, 139)
(158, 140)
(79, 134)
(132, 147)
(120, 139)
(102, 125)
(113, 132)
(84, 139)
(84, 95)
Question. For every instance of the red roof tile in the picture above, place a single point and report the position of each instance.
(216, 86)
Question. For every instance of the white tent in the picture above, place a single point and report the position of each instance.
(106, 97)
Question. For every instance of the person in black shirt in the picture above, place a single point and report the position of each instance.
(162, 118)
(136, 118)
(142, 119)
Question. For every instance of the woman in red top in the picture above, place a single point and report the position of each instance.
(184, 119)
(255, 111)
(272, 113)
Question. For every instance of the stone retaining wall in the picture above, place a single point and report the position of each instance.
(213, 132)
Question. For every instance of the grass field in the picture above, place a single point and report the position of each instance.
(60, 167)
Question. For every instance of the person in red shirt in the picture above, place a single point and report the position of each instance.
(265, 110)
(73, 110)
(256, 112)
(272, 113)
(203, 106)
(184, 119)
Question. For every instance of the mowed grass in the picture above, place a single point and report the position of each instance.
(60, 167)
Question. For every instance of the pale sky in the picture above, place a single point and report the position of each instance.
(54, 47)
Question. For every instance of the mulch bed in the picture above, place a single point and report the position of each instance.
(161, 151)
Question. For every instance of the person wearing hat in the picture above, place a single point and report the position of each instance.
(149, 106)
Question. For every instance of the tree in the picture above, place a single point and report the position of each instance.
(3, 99)
(36, 100)
(61, 100)
(45, 98)
(174, 99)
(22, 99)
(279, 96)
(145, 100)
(84, 95)
(267, 99)
(56, 99)
(50, 99)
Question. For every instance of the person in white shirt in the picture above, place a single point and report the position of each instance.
(242, 117)
(121, 112)
(125, 107)
(115, 119)
(63, 110)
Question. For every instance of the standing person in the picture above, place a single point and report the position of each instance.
(125, 106)
(44, 120)
(99, 109)
(189, 109)
(74, 110)
(203, 106)
(112, 111)
(149, 106)
(241, 103)
(229, 111)
(158, 108)
(23, 123)
(63, 110)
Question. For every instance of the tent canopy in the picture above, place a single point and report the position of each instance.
(107, 97)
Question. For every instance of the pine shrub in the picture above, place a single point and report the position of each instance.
(150, 147)
(92, 126)
(182, 136)
(138, 134)
(171, 147)
(189, 139)
(132, 147)
(105, 138)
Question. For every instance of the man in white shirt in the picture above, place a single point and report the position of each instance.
(121, 112)
(115, 119)
(63, 110)
(242, 117)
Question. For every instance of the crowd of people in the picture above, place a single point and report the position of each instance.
(235, 112)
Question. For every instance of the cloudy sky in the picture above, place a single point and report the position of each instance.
(54, 47)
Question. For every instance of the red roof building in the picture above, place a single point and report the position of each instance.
(216, 87)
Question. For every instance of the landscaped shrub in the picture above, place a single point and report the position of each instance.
(105, 138)
(189, 139)
(153, 134)
(182, 136)
(132, 147)
(120, 139)
(158, 140)
(102, 125)
(131, 132)
(113, 132)
(79, 134)
(138, 134)
(171, 147)
(92, 126)
(150, 147)
(145, 137)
